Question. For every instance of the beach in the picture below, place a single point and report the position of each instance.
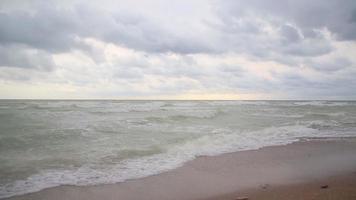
(177, 100)
(313, 168)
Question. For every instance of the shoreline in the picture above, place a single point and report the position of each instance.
(227, 175)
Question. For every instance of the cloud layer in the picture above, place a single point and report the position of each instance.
(188, 49)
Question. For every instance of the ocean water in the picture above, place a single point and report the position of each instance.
(50, 143)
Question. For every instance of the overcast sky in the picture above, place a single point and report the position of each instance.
(186, 49)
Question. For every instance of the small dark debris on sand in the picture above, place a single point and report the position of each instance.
(264, 186)
(324, 186)
(241, 198)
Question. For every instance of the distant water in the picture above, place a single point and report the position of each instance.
(49, 143)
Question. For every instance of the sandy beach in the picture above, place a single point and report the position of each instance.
(294, 171)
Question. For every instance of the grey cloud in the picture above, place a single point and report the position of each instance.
(290, 34)
(335, 15)
(46, 30)
(294, 81)
(336, 64)
(233, 70)
(18, 56)
(353, 17)
(296, 85)
(57, 30)
(306, 48)
(286, 41)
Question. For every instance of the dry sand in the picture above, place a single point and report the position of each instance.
(294, 171)
(340, 187)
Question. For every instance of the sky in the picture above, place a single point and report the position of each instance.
(187, 49)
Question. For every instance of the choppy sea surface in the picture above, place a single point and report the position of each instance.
(50, 143)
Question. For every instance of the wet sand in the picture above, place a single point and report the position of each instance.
(294, 171)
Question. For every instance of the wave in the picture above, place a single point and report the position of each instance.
(320, 115)
(216, 141)
(182, 116)
(93, 107)
(177, 117)
(323, 103)
(51, 107)
(238, 102)
(323, 125)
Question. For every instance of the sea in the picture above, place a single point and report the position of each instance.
(48, 143)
